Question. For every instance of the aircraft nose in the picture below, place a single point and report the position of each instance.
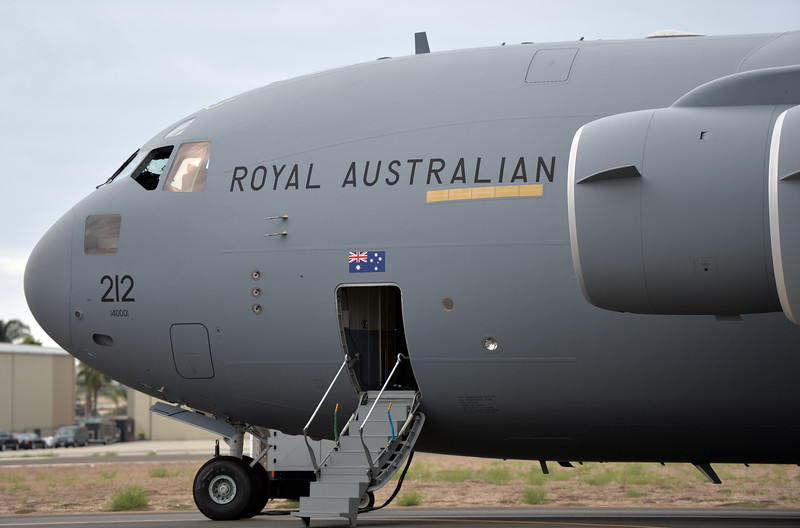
(48, 276)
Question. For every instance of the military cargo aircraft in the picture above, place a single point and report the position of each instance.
(562, 252)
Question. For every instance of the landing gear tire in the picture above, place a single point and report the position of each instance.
(223, 488)
(259, 481)
(367, 501)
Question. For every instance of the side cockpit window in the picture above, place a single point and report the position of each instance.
(149, 171)
(101, 236)
(188, 171)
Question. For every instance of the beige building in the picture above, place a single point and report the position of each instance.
(37, 388)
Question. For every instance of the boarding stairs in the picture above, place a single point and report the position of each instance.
(371, 448)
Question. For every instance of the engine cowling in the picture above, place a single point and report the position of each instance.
(669, 210)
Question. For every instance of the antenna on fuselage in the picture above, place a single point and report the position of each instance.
(421, 43)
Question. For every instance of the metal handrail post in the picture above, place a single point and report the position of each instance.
(314, 415)
(400, 357)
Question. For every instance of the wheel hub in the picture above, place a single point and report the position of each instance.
(222, 489)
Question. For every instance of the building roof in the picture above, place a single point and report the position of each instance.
(11, 348)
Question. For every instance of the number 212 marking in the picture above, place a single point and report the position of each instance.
(113, 286)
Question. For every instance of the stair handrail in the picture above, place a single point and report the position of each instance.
(314, 415)
(400, 357)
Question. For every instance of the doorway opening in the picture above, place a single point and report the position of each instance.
(373, 334)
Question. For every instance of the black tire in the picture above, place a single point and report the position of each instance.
(223, 488)
(259, 498)
(367, 501)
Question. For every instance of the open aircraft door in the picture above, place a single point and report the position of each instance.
(373, 336)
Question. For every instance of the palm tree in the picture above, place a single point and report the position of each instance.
(91, 381)
(13, 330)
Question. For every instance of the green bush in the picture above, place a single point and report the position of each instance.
(601, 478)
(409, 498)
(534, 495)
(130, 498)
(498, 473)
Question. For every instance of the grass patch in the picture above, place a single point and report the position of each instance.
(151, 453)
(110, 453)
(19, 487)
(601, 478)
(452, 475)
(37, 455)
(638, 474)
(416, 472)
(409, 498)
(531, 495)
(108, 475)
(498, 473)
(160, 472)
(535, 477)
(129, 498)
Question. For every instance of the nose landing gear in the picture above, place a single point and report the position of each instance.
(231, 487)
(228, 488)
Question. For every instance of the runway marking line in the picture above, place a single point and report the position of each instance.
(499, 521)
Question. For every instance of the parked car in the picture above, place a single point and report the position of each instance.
(30, 441)
(71, 436)
(7, 441)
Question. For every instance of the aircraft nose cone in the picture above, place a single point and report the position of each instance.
(48, 276)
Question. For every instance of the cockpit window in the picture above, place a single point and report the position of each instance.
(149, 171)
(188, 171)
(101, 236)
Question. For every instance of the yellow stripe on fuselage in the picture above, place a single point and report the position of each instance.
(478, 193)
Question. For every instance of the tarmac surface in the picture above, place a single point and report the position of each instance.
(167, 450)
(142, 447)
(141, 451)
(443, 518)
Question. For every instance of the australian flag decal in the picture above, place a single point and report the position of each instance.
(367, 261)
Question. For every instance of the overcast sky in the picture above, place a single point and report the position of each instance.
(85, 83)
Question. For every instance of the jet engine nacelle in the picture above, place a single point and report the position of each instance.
(669, 210)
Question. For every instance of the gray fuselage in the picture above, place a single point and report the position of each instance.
(454, 166)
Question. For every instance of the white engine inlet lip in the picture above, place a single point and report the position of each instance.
(774, 218)
(573, 230)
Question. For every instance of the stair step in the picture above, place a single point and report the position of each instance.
(335, 506)
(326, 477)
(377, 427)
(360, 470)
(337, 489)
(348, 459)
(352, 444)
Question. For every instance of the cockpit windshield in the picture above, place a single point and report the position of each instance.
(188, 171)
(149, 171)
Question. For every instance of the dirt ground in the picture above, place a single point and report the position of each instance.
(433, 480)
